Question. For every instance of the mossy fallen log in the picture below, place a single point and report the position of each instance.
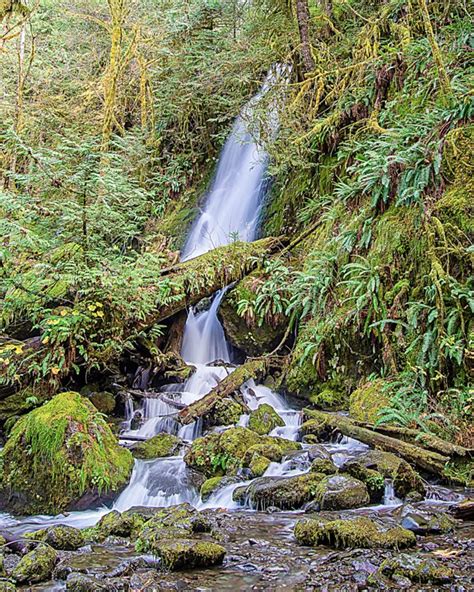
(255, 369)
(454, 464)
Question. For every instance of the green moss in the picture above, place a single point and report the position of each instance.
(359, 532)
(189, 554)
(289, 493)
(157, 447)
(270, 450)
(226, 412)
(328, 399)
(323, 466)
(258, 465)
(62, 537)
(103, 401)
(209, 486)
(374, 480)
(21, 403)
(264, 419)
(58, 452)
(7, 587)
(339, 492)
(366, 402)
(35, 566)
(423, 570)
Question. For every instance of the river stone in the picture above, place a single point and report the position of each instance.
(418, 569)
(323, 465)
(7, 587)
(285, 493)
(224, 413)
(339, 492)
(65, 538)
(158, 446)
(264, 419)
(405, 478)
(81, 583)
(35, 566)
(352, 533)
(188, 554)
(259, 465)
(425, 522)
(374, 481)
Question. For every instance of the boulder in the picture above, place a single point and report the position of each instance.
(103, 401)
(405, 478)
(323, 465)
(339, 492)
(226, 452)
(213, 485)
(374, 481)
(224, 413)
(6, 586)
(158, 446)
(264, 419)
(258, 465)
(36, 566)
(64, 538)
(189, 554)
(424, 521)
(358, 532)
(81, 583)
(62, 456)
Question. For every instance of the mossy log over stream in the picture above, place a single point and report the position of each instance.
(452, 463)
(255, 369)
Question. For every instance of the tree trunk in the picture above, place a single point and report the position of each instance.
(302, 16)
(255, 369)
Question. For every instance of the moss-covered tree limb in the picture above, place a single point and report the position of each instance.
(255, 369)
(457, 466)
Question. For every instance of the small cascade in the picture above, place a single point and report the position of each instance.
(389, 497)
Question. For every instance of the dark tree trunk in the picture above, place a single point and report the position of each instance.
(302, 16)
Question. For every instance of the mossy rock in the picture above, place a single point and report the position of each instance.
(285, 493)
(405, 478)
(259, 464)
(6, 586)
(315, 428)
(225, 412)
(189, 554)
(63, 455)
(158, 446)
(324, 466)
(422, 570)
(286, 446)
(366, 402)
(270, 450)
(35, 566)
(252, 338)
(264, 419)
(20, 403)
(358, 532)
(329, 399)
(64, 538)
(103, 401)
(339, 492)
(77, 582)
(374, 481)
(209, 487)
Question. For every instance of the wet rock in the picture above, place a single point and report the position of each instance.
(374, 481)
(264, 419)
(425, 522)
(417, 569)
(314, 430)
(159, 446)
(66, 538)
(35, 566)
(323, 465)
(463, 510)
(103, 401)
(286, 493)
(6, 586)
(81, 583)
(358, 532)
(188, 554)
(3, 573)
(270, 450)
(149, 581)
(339, 492)
(224, 413)
(258, 465)
(58, 453)
(405, 478)
(316, 451)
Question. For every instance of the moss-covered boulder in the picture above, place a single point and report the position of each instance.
(225, 412)
(63, 455)
(339, 492)
(264, 419)
(103, 401)
(270, 450)
(258, 465)
(242, 330)
(405, 478)
(209, 487)
(17, 404)
(189, 554)
(324, 466)
(330, 399)
(374, 481)
(35, 566)
(64, 538)
(286, 493)
(422, 570)
(157, 447)
(366, 402)
(358, 532)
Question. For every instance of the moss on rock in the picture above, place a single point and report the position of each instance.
(286, 493)
(339, 492)
(358, 532)
(366, 402)
(209, 486)
(103, 401)
(189, 554)
(423, 570)
(60, 452)
(328, 399)
(225, 412)
(264, 419)
(258, 465)
(157, 447)
(35, 566)
(64, 538)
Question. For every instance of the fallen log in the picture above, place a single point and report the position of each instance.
(255, 368)
(455, 466)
